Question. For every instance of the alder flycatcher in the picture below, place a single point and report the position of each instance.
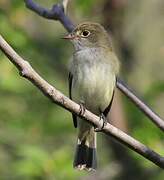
(92, 80)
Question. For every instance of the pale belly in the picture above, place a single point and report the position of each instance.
(93, 86)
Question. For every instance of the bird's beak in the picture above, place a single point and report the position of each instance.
(69, 37)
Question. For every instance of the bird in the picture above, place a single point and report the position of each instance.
(92, 78)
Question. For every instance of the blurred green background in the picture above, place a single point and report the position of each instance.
(37, 137)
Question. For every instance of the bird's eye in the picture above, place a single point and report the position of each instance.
(85, 33)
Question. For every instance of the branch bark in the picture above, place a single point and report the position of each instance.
(140, 104)
(57, 13)
(57, 97)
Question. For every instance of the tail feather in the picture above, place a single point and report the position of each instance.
(85, 156)
(92, 159)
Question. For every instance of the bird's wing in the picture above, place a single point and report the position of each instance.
(70, 78)
(107, 109)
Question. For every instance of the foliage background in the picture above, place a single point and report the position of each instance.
(37, 138)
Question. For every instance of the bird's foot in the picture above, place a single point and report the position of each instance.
(82, 109)
(102, 118)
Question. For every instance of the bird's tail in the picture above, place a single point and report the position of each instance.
(85, 156)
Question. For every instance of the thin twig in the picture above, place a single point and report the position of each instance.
(57, 13)
(56, 96)
(65, 5)
(140, 104)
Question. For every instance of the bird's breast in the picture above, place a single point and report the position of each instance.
(93, 79)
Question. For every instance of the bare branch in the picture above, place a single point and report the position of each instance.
(57, 13)
(56, 96)
(141, 105)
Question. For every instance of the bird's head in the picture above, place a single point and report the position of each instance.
(89, 35)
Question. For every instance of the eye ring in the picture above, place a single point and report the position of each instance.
(85, 33)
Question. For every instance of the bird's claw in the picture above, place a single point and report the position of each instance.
(103, 118)
(82, 109)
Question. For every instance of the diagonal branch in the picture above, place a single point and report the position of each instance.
(57, 97)
(140, 104)
(57, 13)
